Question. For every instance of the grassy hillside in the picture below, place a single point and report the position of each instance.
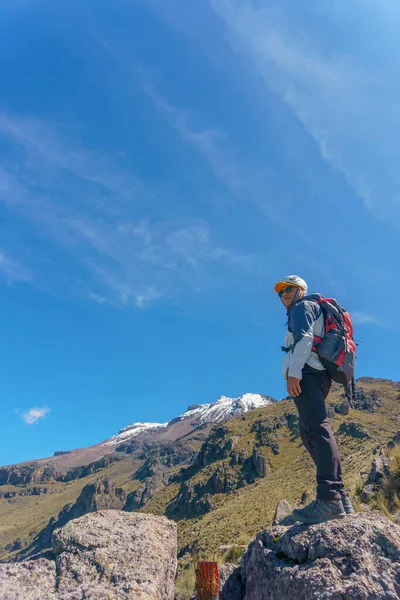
(239, 515)
(244, 467)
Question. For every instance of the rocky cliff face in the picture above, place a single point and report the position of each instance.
(38, 472)
(230, 468)
(104, 555)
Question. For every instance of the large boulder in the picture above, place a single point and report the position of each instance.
(115, 555)
(99, 495)
(380, 468)
(32, 580)
(357, 558)
(230, 584)
(105, 555)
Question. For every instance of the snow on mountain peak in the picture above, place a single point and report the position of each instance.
(132, 431)
(223, 408)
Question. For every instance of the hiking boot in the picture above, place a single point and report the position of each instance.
(347, 505)
(319, 511)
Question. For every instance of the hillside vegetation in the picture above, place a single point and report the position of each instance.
(221, 483)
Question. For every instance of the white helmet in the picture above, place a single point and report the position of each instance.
(291, 280)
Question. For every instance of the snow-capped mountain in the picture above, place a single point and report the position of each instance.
(197, 414)
(131, 431)
(225, 408)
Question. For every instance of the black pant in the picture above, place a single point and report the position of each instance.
(317, 434)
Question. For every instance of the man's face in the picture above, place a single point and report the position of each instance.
(287, 295)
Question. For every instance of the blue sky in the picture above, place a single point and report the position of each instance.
(162, 165)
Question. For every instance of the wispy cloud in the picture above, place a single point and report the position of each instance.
(362, 318)
(12, 269)
(211, 142)
(33, 415)
(97, 214)
(249, 178)
(346, 101)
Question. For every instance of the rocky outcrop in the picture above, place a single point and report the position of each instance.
(29, 473)
(282, 512)
(195, 497)
(367, 400)
(380, 468)
(259, 463)
(107, 555)
(27, 491)
(394, 441)
(116, 555)
(31, 580)
(267, 429)
(343, 408)
(353, 429)
(356, 558)
(102, 494)
(230, 583)
(235, 468)
(155, 473)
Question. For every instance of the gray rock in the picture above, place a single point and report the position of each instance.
(99, 495)
(32, 580)
(230, 547)
(116, 555)
(259, 464)
(353, 429)
(367, 492)
(282, 511)
(343, 408)
(394, 441)
(356, 558)
(230, 582)
(380, 468)
(305, 498)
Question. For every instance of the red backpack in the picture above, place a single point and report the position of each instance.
(337, 349)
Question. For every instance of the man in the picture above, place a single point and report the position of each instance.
(309, 384)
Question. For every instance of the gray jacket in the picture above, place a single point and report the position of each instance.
(305, 320)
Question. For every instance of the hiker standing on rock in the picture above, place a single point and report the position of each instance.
(309, 383)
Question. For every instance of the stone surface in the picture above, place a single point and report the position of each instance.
(105, 555)
(31, 580)
(101, 494)
(353, 429)
(343, 408)
(282, 512)
(357, 558)
(116, 555)
(230, 583)
(367, 492)
(380, 468)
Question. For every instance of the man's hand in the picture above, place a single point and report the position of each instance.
(293, 386)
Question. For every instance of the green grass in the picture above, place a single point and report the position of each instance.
(240, 515)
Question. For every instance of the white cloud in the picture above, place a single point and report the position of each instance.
(34, 414)
(210, 142)
(12, 269)
(362, 318)
(347, 102)
(82, 204)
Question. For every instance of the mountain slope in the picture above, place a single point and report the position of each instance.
(33, 492)
(235, 515)
(220, 482)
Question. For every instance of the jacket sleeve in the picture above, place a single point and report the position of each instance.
(302, 318)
